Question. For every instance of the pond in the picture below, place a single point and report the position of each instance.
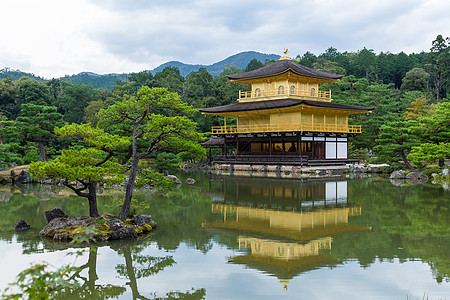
(236, 237)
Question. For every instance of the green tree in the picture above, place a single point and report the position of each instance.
(7, 98)
(151, 116)
(416, 80)
(73, 99)
(37, 123)
(438, 64)
(430, 153)
(253, 65)
(395, 142)
(82, 170)
(32, 91)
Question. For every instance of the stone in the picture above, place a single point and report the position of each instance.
(54, 213)
(24, 177)
(417, 177)
(320, 172)
(190, 180)
(21, 226)
(174, 178)
(399, 174)
(140, 220)
(119, 230)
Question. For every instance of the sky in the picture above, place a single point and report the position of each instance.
(53, 38)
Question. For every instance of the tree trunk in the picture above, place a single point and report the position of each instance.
(41, 152)
(129, 189)
(92, 197)
(405, 161)
(441, 163)
(131, 179)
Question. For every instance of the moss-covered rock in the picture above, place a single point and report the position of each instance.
(104, 228)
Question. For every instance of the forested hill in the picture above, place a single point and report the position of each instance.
(240, 61)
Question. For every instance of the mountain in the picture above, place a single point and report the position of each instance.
(239, 61)
(107, 81)
(17, 74)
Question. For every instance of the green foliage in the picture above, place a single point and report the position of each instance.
(395, 142)
(166, 161)
(430, 153)
(8, 155)
(37, 282)
(37, 123)
(154, 179)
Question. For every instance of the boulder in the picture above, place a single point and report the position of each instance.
(445, 173)
(21, 226)
(190, 181)
(24, 177)
(54, 213)
(417, 176)
(174, 178)
(399, 174)
(120, 230)
(140, 220)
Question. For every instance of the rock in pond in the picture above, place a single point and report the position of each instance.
(399, 174)
(21, 226)
(104, 228)
(190, 180)
(54, 213)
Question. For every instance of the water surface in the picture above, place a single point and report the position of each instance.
(234, 237)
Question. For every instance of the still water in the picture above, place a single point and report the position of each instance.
(232, 237)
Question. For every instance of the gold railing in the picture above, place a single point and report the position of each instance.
(270, 94)
(285, 128)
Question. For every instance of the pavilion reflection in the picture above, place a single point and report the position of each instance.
(286, 227)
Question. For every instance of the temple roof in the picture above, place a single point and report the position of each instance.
(280, 103)
(281, 67)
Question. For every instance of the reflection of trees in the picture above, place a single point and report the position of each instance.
(407, 222)
(179, 215)
(144, 266)
(88, 289)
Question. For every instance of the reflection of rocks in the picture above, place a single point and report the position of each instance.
(104, 228)
(25, 189)
(5, 196)
(46, 191)
(397, 182)
(399, 174)
(21, 226)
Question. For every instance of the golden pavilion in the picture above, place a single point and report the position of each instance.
(284, 119)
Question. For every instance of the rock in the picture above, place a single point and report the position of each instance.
(174, 178)
(54, 213)
(21, 226)
(24, 177)
(417, 176)
(190, 181)
(320, 172)
(399, 174)
(144, 219)
(119, 230)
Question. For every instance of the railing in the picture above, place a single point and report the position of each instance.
(269, 94)
(286, 128)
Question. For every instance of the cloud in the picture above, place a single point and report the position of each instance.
(54, 37)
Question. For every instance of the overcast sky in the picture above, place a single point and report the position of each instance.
(53, 38)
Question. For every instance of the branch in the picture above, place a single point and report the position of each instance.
(110, 153)
(77, 191)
